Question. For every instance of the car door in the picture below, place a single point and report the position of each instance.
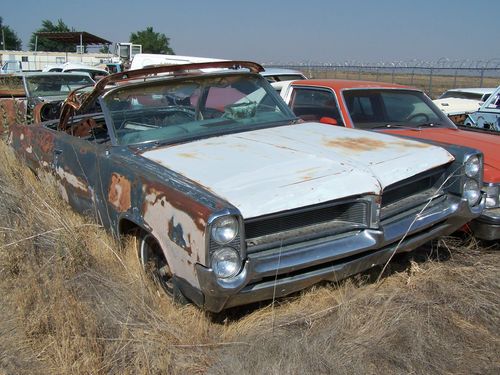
(77, 157)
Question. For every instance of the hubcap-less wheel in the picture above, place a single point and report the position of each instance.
(154, 263)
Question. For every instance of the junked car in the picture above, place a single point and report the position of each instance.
(96, 72)
(231, 198)
(480, 94)
(399, 110)
(488, 115)
(20, 93)
(458, 103)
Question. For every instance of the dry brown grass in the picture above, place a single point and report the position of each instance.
(73, 300)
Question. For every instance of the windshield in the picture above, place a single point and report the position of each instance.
(379, 108)
(56, 85)
(171, 110)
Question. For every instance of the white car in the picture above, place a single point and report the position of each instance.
(457, 109)
(488, 115)
(474, 93)
(95, 72)
(458, 103)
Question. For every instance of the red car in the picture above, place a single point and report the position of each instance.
(398, 110)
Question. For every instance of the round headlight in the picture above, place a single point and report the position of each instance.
(224, 229)
(472, 192)
(472, 166)
(226, 262)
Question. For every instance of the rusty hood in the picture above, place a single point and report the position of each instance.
(282, 168)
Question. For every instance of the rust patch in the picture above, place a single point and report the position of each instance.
(12, 111)
(411, 144)
(119, 192)
(356, 144)
(188, 155)
(47, 143)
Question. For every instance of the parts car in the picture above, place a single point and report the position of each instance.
(231, 199)
(21, 93)
(399, 110)
(488, 115)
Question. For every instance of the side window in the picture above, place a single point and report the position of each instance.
(91, 128)
(494, 102)
(313, 104)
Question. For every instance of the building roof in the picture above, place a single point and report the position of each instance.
(73, 37)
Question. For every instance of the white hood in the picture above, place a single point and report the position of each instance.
(277, 169)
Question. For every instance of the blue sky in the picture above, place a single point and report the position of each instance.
(284, 31)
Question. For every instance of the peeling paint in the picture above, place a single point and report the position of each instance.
(160, 214)
(72, 180)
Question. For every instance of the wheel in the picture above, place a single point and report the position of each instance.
(155, 265)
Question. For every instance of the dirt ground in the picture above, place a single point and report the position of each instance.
(74, 301)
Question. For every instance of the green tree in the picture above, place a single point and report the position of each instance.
(7, 35)
(152, 42)
(49, 45)
(104, 49)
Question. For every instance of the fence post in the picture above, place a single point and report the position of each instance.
(482, 76)
(430, 83)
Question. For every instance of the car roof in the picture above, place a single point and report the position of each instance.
(279, 71)
(48, 74)
(474, 90)
(339, 84)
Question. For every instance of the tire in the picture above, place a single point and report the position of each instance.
(155, 265)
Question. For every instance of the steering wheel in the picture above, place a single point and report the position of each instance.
(424, 116)
(178, 114)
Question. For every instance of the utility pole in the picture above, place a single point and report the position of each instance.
(3, 39)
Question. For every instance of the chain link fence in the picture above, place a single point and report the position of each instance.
(432, 77)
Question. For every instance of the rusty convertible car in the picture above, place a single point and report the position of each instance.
(23, 94)
(231, 197)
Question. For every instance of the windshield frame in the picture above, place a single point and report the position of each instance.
(444, 122)
(166, 81)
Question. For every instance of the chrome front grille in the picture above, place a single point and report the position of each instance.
(413, 192)
(305, 223)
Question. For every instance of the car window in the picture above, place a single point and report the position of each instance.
(494, 103)
(380, 107)
(312, 104)
(173, 110)
(56, 85)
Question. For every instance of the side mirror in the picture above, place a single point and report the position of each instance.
(328, 121)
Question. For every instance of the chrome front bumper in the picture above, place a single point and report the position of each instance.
(278, 272)
(487, 226)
